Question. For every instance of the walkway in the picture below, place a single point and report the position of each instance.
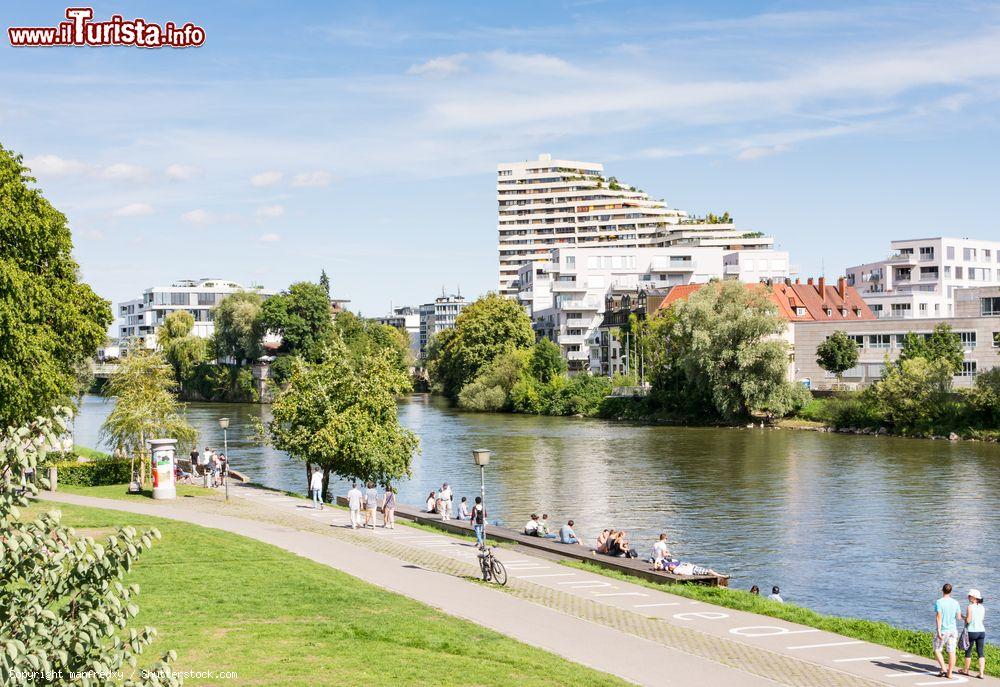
(643, 635)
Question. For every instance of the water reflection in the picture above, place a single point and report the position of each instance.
(863, 526)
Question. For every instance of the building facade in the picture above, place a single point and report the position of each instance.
(920, 276)
(141, 317)
(407, 320)
(545, 204)
(437, 316)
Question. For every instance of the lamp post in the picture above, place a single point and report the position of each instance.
(481, 457)
(224, 424)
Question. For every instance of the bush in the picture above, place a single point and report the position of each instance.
(95, 473)
(851, 409)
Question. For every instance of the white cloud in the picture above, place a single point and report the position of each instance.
(89, 234)
(535, 64)
(269, 178)
(270, 211)
(134, 210)
(312, 179)
(123, 171)
(198, 216)
(270, 238)
(758, 152)
(181, 172)
(440, 66)
(53, 165)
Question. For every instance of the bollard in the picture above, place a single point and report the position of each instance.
(53, 479)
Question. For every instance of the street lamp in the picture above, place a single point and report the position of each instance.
(481, 457)
(224, 424)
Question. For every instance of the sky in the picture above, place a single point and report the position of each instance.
(362, 138)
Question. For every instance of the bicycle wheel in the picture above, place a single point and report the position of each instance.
(499, 573)
(484, 565)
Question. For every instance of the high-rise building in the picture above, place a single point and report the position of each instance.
(437, 316)
(407, 320)
(142, 317)
(920, 277)
(545, 204)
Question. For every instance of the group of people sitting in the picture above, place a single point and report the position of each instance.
(615, 543)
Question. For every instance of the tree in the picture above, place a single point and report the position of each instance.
(236, 336)
(64, 608)
(324, 281)
(491, 390)
(301, 316)
(914, 393)
(942, 344)
(364, 337)
(729, 353)
(837, 354)
(51, 324)
(483, 330)
(546, 360)
(985, 397)
(341, 416)
(180, 348)
(176, 325)
(145, 407)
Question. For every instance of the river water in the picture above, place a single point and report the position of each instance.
(850, 525)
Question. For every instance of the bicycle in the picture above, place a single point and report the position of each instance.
(492, 567)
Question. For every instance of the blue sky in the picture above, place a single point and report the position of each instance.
(363, 137)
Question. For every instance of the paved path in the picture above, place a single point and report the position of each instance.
(643, 635)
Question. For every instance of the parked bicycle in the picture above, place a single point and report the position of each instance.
(492, 567)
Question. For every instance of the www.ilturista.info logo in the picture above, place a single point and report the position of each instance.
(80, 30)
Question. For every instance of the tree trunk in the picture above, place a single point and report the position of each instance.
(309, 472)
(142, 461)
(326, 484)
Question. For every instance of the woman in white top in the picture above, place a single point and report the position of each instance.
(975, 616)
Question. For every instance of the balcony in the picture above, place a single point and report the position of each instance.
(572, 339)
(580, 305)
(902, 259)
(567, 286)
(578, 355)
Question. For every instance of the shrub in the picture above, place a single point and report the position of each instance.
(851, 409)
(985, 397)
(95, 473)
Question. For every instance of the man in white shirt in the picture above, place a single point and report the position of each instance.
(661, 552)
(775, 595)
(445, 497)
(354, 504)
(531, 527)
(316, 488)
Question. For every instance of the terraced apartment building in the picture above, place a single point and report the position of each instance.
(545, 204)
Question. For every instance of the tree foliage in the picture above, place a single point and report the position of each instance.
(340, 414)
(365, 337)
(181, 349)
(64, 607)
(837, 354)
(491, 390)
(301, 316)
(913, 395)
(943, 344)
(985, 397)
(547, 361)
(236, 335)
(50, 322)
(483, 330)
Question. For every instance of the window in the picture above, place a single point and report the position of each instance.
(968, 368)
(799, 311)
(923, 308)
(859, 339)
(593, 262)
(989, 306)
(898, 340)
(927, 252)
(180, 298)
(968, 339)
(996, 339)
(950, 252)
(969, 254)
(958, 273)
(206, 298)
(879, 340)
(947, 270)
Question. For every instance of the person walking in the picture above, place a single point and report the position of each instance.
(354, 504)
(975, 624)
(194, 460)
(371, 504)
(389, 508)
(946, 614)
(446, 498)
(316, 488)
(478, 520)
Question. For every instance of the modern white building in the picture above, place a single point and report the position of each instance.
(407, 320)
(565, 295)
(141, 317)
(545, 204)
(920, 277)
(439, 315)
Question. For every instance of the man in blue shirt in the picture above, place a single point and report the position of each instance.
(946, 615)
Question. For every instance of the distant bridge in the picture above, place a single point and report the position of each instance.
(103, 370)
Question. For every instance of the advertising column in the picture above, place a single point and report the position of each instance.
(162, 457)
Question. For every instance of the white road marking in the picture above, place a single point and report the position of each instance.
(655, 605)
(823, 646)
(619, 594)
(524, 577)
(955, 680)
(861, 658)
(585, 584)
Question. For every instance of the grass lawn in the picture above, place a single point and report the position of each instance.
(910, 641)
(229, 603)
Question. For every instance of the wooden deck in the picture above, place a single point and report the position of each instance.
(552, 548)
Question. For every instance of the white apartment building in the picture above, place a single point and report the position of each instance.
(141, 317)
(565, 294)
(545, 204)
(406, 319)
(920, 277)
(437, 316)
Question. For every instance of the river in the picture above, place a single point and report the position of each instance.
(850, 525)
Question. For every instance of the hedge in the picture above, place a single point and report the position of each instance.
(95, 473)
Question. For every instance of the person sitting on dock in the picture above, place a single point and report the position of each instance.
(661, 553)
(531, 527)
(567, 535)
(463, 509)
(602, 541)
(543, 528)
(432, 503)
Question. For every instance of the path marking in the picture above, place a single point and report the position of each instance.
(823, 646)
(524, 577)
(862, 658)
(619, 594)
(585, 584)
(742, 631)
(955, 680)
(655, 605)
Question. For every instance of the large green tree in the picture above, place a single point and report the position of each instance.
(547, 361)
(50, 322)
(837, 354)
(340, 414)
(365, 337)
(235, 334)
(913, 395)
(64, 607)
(181, 349)
(483, 330)
(301, 316)
(942, 344)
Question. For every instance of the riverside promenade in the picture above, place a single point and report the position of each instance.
(642, 635)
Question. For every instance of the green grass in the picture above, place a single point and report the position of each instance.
(229, 603)
(120, 492)
(909, 641)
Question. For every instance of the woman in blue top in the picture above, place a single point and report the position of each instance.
(975, 616)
